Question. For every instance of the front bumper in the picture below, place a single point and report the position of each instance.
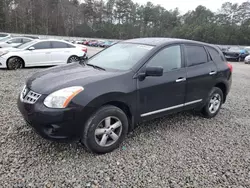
(55, 124)
(247, 61)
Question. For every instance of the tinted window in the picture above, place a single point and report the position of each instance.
(216, 56)
(168, 58)
(26, 40)
(59, 45)
(195, 55)
(42, 45)
(3, 35)
(17, 40)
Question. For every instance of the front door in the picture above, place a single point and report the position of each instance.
(165, 94)
(40, 56)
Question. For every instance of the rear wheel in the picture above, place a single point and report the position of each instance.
(213, 104)
(105, 130)
(73, 59)
(15, 63)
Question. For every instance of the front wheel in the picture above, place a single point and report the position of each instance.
(105, 130)
(15, 63)
(213, 104)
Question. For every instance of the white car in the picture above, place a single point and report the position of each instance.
(247, 59)
(41, 53)
(13, 42)
(4, 36)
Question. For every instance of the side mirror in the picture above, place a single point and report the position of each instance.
(31, 48)
(154, 71)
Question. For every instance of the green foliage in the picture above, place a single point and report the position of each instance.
(123, 19)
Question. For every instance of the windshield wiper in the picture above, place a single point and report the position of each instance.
(95, 66)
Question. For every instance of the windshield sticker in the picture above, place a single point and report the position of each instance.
(145, 47)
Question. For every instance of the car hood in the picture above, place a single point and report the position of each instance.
(75, 74)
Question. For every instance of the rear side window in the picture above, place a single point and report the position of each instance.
(59, 45)
(26, 40)
(215, 55)
(195, 55)
(42, 45)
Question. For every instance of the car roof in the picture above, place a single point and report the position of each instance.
(44, 40)
(160, 41)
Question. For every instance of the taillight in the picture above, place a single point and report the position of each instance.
(85, 50)
(230, 67)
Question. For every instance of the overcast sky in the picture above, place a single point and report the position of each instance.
(186, 5)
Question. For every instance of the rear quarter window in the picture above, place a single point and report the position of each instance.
(215, 55)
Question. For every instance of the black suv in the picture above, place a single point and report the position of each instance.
(99, 100)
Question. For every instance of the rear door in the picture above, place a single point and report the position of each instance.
(40, 56)
(61, 52)
(201, 74)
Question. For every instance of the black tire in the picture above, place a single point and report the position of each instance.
(73, 58)
(89, 138)
(15, 63)
(206, 111)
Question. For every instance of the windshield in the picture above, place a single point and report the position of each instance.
(122, 56)
(25, 45)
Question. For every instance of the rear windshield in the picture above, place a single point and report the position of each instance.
(3, 35)
(122, 56)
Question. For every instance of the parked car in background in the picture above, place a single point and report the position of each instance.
(4, 36)
(16, 41)
(132, 81)
(107, 44)
(93, 43)
(247, 60)
(41, 53)
(32, 37)
(235, 54)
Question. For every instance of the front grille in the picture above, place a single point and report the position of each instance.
(28, 96)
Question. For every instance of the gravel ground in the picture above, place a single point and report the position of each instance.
(182, 150)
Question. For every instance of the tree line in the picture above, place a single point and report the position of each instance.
(123, 19)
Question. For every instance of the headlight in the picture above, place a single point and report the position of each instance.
(62, 97)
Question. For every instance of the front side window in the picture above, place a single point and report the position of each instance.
(168, 58)
(122, 56)
(195, 55)
(42, 45)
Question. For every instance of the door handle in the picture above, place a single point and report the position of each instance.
(180, 80)
(48, 52)
(212, 73)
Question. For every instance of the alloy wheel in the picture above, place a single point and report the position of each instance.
(15, 64)
(108, 131)
(214, 103)
(73, 59)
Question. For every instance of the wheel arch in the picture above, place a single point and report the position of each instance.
(223, 88)
(15, 56)
(126, 109)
